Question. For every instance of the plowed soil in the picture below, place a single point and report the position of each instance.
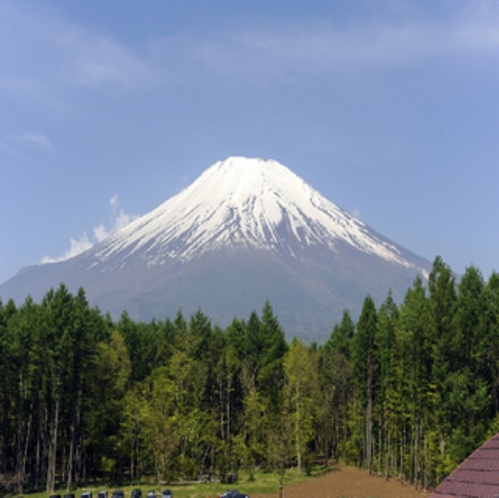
(349, 482)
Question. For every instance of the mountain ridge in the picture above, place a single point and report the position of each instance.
(252, 206)
(239, 222)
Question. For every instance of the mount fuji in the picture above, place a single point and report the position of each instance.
(245, 231)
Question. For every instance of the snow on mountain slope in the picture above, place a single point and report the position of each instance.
(243, 202)
(245, 231)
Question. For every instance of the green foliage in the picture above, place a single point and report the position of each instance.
(408, 390)
(301, 387)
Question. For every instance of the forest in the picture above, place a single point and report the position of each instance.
(407, 390)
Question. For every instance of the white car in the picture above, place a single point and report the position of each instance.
(233, 494)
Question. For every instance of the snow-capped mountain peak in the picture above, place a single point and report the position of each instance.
(244, 203)
(245, 231)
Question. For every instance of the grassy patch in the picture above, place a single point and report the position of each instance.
(263, 483)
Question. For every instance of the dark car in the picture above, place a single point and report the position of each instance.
(102, 494)
(233, 494)
(118, 493)
(136, 493)
(87, 494)
(167, 493)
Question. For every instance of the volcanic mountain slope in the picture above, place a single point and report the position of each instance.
(245, 231)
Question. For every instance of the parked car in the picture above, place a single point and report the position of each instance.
(102, 494)
(86, 494)
(151, 493)
(118, 493)
(69, 495)
(136, 493)
(167, 493)
(233, 494)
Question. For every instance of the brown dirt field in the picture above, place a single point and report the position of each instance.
(349, 482)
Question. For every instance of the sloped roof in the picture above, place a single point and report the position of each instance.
(476, 477)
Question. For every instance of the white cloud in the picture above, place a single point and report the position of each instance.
(37, 139)
(119, 220)
(326, 47)
(96, 59)
(76, 246)
(10, 150)
(27, 146)
(44, 57)
(100, 232)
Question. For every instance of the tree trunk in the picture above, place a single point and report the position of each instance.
(402, 454)
(22, 466)
(298, 430)
(38, 458)
(387, 455)
(52, 459)
(132, 459)
(369, 428)
(369, 417)
(416, 455)
(227, 406)
(380, 447)
(5, 431)
(281, 483)
(72, 444)
(222, 422)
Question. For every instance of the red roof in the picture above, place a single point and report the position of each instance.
(476, 477)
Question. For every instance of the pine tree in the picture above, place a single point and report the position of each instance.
(442, 303)
(335, 377)
(416, 348)
(300, 368)
(387, 397)
(365, 371)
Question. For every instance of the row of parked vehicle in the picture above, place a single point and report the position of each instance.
(118, 493)
(233, 494)
(137, 493)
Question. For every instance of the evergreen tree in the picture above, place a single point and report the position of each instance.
(388, 394)
(301, 386)
(365, 370)
(470, 400)
(270, 338)
(335, 377)
(445, 362)
(487, 347)
(416, 348)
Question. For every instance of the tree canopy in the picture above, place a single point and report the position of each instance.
(407, 389)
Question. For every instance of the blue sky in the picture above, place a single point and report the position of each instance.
(389, 108)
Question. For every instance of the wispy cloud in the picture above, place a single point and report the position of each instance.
(119, 220)
(44, 54)
(76, 246)
(11, 150)
(95, 59)
(37, 139)
(325, 47)
(27, 146)
(42, 57)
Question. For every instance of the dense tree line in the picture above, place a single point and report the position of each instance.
(408, 390)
